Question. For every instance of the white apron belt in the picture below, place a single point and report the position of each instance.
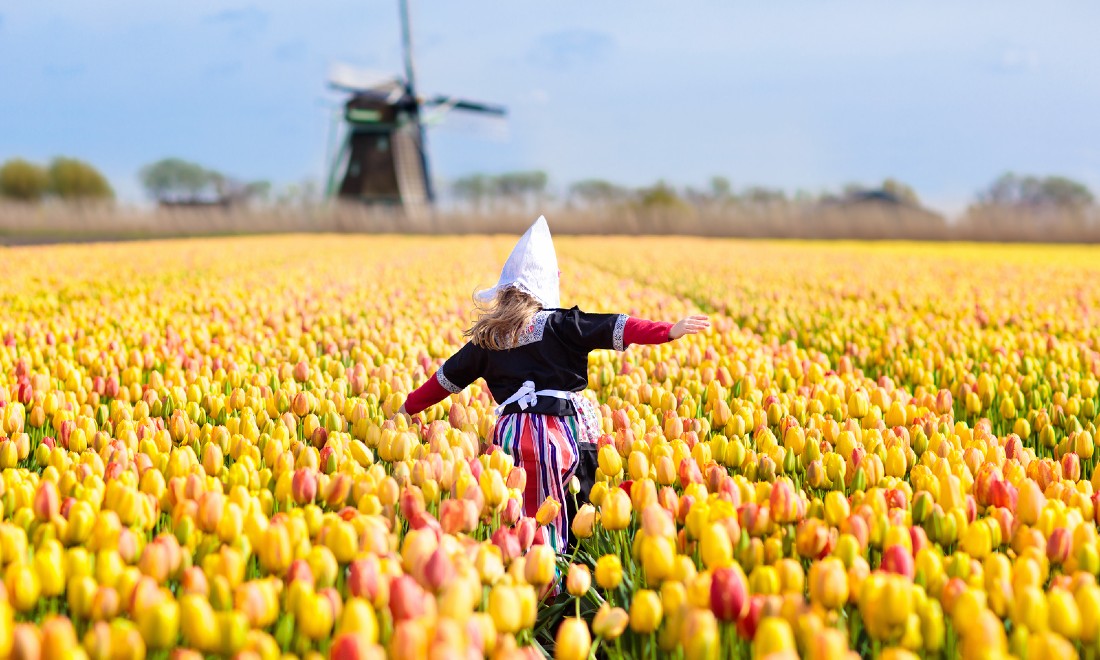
(526, 396)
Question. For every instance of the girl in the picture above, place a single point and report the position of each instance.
(533, 356)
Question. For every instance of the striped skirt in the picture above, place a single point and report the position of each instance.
(547, 448)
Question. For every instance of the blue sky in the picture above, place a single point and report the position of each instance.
(811, 95)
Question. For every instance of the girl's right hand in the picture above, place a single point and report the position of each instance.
(689, 326)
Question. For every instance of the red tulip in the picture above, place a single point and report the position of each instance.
(896, 559)
(355, 646)
(303, 486)
(689, 472)
(47, 501)
(299, 570)
(517, 479)
(364, 578)
(728, 593)
(512, 511)
(406, 598)
(525, 532)
(919, 538)
(1003, 494)
(457, 516)
(505, 539)
(1058, 545)
(411, 502)
(437, 571)
(746, 625)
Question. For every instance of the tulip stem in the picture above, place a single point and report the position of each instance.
(592, 651)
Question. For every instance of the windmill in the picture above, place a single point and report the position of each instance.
(383, 158)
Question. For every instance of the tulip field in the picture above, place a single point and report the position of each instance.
(878, 449)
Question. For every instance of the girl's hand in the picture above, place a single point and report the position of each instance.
(689, 326)
(401, 413)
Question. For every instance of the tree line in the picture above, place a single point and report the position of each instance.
(68, 179)
(174, 181)
(169, 181)
(519, 190)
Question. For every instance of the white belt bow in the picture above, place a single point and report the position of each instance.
(526, 396)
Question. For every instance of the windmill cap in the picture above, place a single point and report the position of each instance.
(532, 268)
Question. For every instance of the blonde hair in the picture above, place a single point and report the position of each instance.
(500, 323)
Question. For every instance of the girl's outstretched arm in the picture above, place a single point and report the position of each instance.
(641, 331)
(618, 331)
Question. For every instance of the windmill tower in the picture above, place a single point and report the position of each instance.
(383, 158)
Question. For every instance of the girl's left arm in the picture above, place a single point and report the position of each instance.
(641, 331)
(618, 331)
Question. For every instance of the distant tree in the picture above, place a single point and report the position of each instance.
(900, 191)
(850, 190)
(176, 180)
(519, 188)
(720, 189)
(472, 189)
(804, 197)
(1065, 193)
(718, 192)
(762, 195)
(658, 195)
(23, 181)
(76, 180)
(305, 193)
(1011, 190)
(260, 190)
(597, 192)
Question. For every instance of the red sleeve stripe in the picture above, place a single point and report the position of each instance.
(641, 331)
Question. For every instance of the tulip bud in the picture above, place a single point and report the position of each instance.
(407, 599)
(539, 567)
(728, 593)
(609, 572)
(584, 522)
(47, 501)
(438, 571)
(645, 611)
(615, 510)
(610, 622)
(578, 580)
(828, 583)
(609, 461)
(304, 486)
(548, 512)
(573, 642)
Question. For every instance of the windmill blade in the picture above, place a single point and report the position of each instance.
(448, 103)
(353, 80)
(407, 47)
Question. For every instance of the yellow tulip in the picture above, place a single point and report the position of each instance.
(573, 641)
(609, 461)
(539, 568)
(615, 510)
(715, 545)
(609, 622)
(609, 572)
(645, 611)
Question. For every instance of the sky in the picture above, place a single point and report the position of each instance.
(793, 94)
